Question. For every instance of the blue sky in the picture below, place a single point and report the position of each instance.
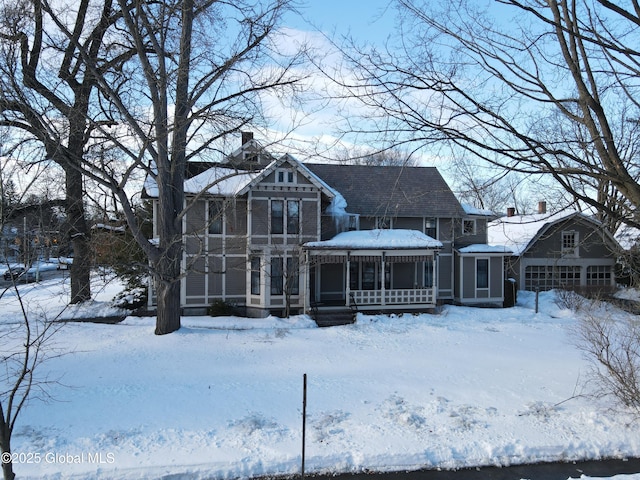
(366, 20)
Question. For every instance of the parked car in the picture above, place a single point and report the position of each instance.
(19, 273)
(65, 262)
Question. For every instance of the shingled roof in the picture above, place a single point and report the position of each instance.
(391, 191)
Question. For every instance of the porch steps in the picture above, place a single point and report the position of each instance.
(334, 318)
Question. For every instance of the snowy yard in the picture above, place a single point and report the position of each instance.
(222, 397)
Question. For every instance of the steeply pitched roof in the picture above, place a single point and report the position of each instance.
(302, 169)
(519, 232)
(391, 191)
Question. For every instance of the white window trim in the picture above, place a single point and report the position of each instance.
(570, 252)
(286, 173)
(473, 222)
(285, 217)
(488, 259)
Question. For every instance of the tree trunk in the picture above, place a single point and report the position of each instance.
(5, 447)
(78, 232)
(168, 312)
(167, 267)
(168, 290)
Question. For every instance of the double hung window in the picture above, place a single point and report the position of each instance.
(285, 222)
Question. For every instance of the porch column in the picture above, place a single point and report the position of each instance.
(348, 281)
(383, 279)
(305, 282)
(434, 274)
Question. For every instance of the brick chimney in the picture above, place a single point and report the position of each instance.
(542, 207)
(511, 211)
(246, 137)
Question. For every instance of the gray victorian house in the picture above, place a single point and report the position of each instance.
(276, 236)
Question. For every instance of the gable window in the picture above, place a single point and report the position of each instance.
(570, 243)
(284, 176)
(293, 217)
(215, 217)
(482, 273)
(277, 217)
(468, 227)
(255, 275)
(277, 276)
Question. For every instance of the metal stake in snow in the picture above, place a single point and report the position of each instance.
(304, 417)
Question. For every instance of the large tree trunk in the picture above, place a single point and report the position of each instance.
(168, 290)
(78, 232)
(167, 265)
(168, 307)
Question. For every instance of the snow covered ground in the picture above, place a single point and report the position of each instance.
(222, 397)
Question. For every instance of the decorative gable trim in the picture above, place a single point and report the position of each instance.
(298, 169)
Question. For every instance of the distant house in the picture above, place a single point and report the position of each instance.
(274, 235)
(567, 249)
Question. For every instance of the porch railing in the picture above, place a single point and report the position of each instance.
(394, 296)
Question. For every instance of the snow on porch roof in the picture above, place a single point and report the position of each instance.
(380, 239)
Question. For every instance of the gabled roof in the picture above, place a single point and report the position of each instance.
(391, 191)
(222, 180)
(520, 232)
(312, 177)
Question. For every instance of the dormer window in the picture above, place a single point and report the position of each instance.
(570, 243)
(284, 176)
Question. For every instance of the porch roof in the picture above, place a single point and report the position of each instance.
(484, 248)
(378, 239)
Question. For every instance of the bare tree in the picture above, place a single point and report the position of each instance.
(613, 349)
(46, 95)
(201, 72)
(25, 345)
(385, 157)
(545, 89)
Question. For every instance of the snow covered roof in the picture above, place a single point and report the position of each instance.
(379, 239)
(517, 232)
(471, 210)
(227, 181)
(222, 181)
(484, 248)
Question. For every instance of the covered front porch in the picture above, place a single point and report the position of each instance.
(372, 270)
